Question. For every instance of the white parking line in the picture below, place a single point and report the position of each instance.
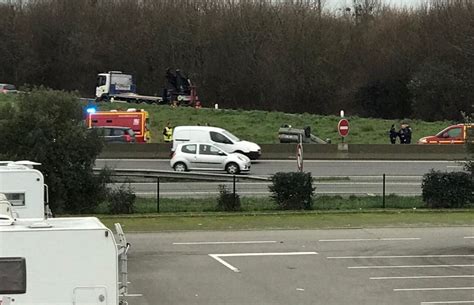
(227, 242)
(433, 289)
(447, 302)
(420, 277)
(400, 256)
(218, 258)
(223, 262)
(408, 266)
(369, 239)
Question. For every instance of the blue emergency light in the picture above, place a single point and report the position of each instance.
(91, 109)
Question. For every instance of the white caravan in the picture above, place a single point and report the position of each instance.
(216, 136)
(60, 261)
(24, 188)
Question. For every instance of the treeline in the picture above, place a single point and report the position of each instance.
(370, 59)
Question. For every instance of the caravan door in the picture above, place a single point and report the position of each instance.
(90, 295)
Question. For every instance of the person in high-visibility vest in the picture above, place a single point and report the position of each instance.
(168, 133)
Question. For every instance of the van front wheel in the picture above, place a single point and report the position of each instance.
(232, 168)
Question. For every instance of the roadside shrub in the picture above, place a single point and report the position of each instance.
(226, 200)
(121, 200)
(447, 190)
(293, 191)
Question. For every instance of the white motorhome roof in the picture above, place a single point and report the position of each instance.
(55, 224)
(15, 165)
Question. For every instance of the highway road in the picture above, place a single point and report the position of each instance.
(394, 266)
(316, 167)
(333, 177)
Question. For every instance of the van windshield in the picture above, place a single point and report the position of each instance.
(230, 136)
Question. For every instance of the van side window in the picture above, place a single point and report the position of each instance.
(219, 138)
(189, 149)
(13, 271)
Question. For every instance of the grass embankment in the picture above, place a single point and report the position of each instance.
(262, 126)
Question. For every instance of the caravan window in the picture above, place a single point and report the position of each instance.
(12, 275)
(16, 199)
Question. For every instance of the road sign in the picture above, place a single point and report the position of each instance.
(299, 156)
(343, 127)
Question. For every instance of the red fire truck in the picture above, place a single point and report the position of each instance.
(137, 119)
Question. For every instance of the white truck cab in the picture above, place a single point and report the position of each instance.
(216, 136)
(114, 82)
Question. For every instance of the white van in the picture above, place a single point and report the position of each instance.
(217, 136)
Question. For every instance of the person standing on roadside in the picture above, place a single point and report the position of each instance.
(393, 134)
(405, 134)
(168, 133)
(402, 134)
(408, 134)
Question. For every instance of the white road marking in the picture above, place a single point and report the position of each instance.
(227, 242)
(468, 236)
(420, 277)
(218, 258)
(370, 239)
(134, 295)
(193, 193)
(447, 302)
(400, 256)
(223, 262)
(433, 289)
(266, 254)
(408, 266)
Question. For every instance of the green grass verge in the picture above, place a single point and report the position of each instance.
(262, 214)
(300, 220)
(265, 204)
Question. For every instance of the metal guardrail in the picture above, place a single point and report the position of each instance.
(152, 173)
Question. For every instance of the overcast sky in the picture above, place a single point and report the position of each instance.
(399, 3)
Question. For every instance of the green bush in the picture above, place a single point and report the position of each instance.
(227, 201)
(121, 200)
(447, 190)
(293, 191)
(47, 127)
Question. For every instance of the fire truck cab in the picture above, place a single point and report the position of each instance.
(454, 134)
(136, 119)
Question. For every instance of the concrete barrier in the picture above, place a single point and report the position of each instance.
(310, 152)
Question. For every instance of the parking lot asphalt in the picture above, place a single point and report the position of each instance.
(357, 266)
